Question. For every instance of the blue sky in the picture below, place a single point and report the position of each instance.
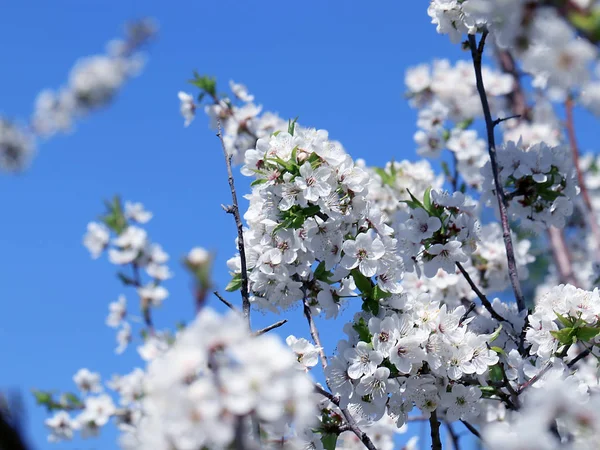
(337, 65)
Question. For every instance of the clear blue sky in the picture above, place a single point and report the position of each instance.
(337, 65)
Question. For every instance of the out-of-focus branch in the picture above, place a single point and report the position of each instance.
(434, 424)
(571, 135)
(476, 54)
(518, 104)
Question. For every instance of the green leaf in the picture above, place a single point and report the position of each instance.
(329, 441)
(321, 274)
(363, 283)
(495, 334)
(386, 178)
(415, 200)
(292, 125)
(427, 199)
(498, 350)
(586, 334)
(235, 283)
(464, 124)
(206, 83)
(565, 336)
(496, 373)
(379, 293)
(42, 397)
(564, 320)
(362, 329)
(259, 181)
(371, 306)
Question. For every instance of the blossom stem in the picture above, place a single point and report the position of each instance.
(314, 332)
(453, 435)
(434, 424)
(225, 302)
(476, 54)
(484, 300)
(235, 211)
(471, 428)
(570, 127)
(270, 327)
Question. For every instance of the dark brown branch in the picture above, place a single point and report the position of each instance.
(471, 428)
(484, 301)
(434, 425)
(235, 211)
(453, 435)
(270, 327)
(476, 54)
(227, 303)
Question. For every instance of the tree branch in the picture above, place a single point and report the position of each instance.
(434, 424)
(225, 302)
(314, 332)
(471, 428)
(484, 301)
(235, 210)
(455, 437)
(270, 327)
(591, 216)
(476, 54)
(518, 103)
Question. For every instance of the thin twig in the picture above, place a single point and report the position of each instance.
(468, 311)
(270, 327)
(235, 210)
(455, 437)
(498, 121)
(579, 357)
(350, 421)
(484, 301)
(476, 54)
(332, 398)
(434, 425)
(591, 215)
(471, 428)
(227, 303)
(314, 333)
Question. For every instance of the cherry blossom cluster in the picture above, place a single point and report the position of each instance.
(547, 42)
(216, 379)
(438, 232)
(565, 315)
(130, 247)
(562, 415)
(93, 82)
(539, 184)
(17, 146)
(242, 123)
(309, 205)
(413, 353)
(444, 92)
(448, 102)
